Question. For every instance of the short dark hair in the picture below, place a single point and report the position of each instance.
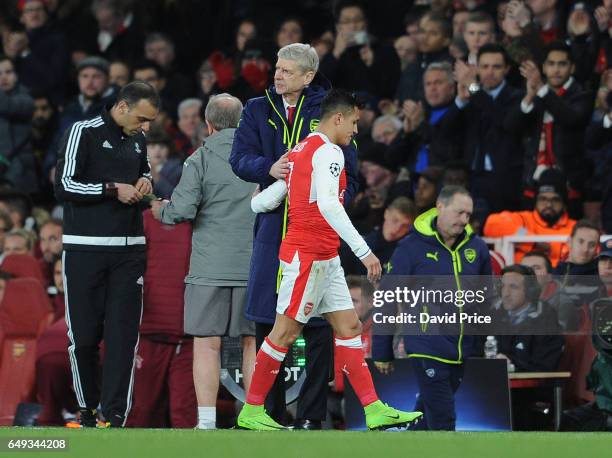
(560, 46)
(481, 17)
(4, 57)
(443, 23)
(338, 101)
(541, 255)
(448, 192)
(585, 224)
(494, 48)
(403, 205)
(134, 92)
(532, 287)
(146, 64)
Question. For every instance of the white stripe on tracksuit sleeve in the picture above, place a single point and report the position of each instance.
(327, 162)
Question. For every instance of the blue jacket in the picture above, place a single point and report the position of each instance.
(422, 252)
(262, 137)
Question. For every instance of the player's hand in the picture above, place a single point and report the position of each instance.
(372, 263)
(384, 367)
(128, 194)
(280, 168)
(144, 186)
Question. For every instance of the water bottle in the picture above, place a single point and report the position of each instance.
(490, 347)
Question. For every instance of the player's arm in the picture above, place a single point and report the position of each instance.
(327, 163)
(270, 198)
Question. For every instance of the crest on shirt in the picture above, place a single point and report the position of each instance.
(314, 123)
(334, 168)
(308, 308)
(470, 255)
(137, 148)
(431, 373)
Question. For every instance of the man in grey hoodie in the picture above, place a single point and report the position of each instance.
(219, 204)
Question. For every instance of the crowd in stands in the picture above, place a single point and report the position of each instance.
(511, 99)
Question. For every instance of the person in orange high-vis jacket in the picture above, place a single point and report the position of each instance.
(549, 217)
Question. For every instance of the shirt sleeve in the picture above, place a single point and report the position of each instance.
(327, 164)
(270, 198)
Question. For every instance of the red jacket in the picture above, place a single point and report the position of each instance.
(168, 252)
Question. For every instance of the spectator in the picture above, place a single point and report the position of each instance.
(17, 163)
(433, 39)
(50, 237)
(549, 217)
(160, 49)
(554, 116)
(118, 35)
(547, 16)
(215, 296)
(385, 129)
(358, 61)
(397, 221)
(490, 145)
(189, 135)
(54, 390)
(41, 58)
(95, 92)
(119, 73)
(44, 125)
(151, 72)
(431, 134)
(6, 225)
(207, 82)
(460, 18)
(604, 265)
(18, 241)
(18, 207)
(406, 49)
(427, 189)
(166, 165)
(552, 294)
(479, 31)
(289, 31)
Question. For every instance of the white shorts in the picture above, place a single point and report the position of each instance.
(311, 288)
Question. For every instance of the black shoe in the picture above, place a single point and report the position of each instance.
(307, 424)
(116, 421)
(89, 418)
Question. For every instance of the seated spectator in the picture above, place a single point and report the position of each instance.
(289, 31)
(118, 35)
(6, 225)
(159, 48)
(119, 73)
(547, 16)
(190, 127)
(358, 61)
(207, 82)
(41, 58)
(19, 207)
(17, 163)
(166, 165)
(397, 221)
(50, 237)
(18, 241)
(490, 146)
(549, 217)
(552, 293)
(45, 120)
(53, 375)
(406, 49)
(431, 134)
(459, 20)
(479, 31)
(151, 72)
(433, 39)
(95, 92)
(535, 345)
(604, 265)
(427, 189)
(553, 117)
(386, 128)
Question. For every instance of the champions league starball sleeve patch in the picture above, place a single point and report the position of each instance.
(334, 168)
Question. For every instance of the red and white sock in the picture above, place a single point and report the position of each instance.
(267, 365)
(350, 356)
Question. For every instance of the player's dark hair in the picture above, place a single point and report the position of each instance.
(339, 101)
(134, 92)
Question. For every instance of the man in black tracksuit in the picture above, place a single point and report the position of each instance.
(102, 174)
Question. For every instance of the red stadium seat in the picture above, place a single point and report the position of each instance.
(25, 312)
(23, 266)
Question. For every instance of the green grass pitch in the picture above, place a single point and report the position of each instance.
(173, 443)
